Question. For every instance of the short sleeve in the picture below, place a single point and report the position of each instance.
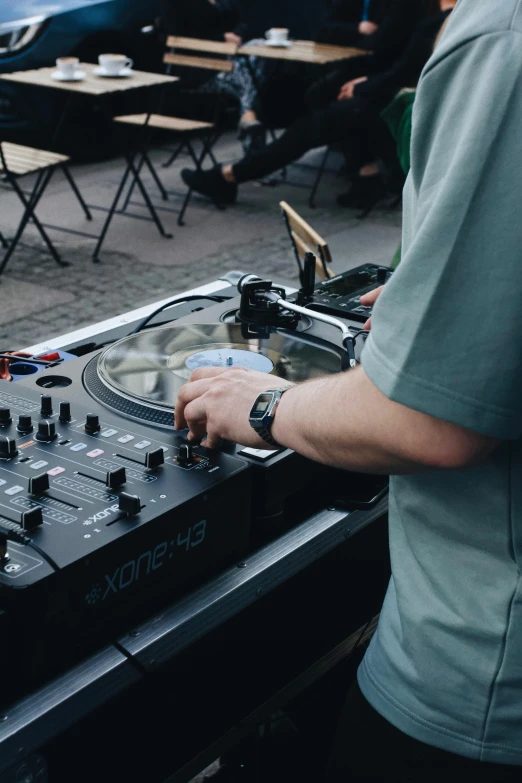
(447, 330)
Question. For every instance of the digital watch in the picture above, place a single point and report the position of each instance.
(263, 412)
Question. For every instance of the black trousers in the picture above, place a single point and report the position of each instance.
(354, 124)
(367, 747)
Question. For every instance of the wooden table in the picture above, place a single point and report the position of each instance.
(303, 52)
(94, 86)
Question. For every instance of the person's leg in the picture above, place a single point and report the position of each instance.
(366, 747)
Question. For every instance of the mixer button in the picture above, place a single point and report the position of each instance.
(46, 431)
(153, 459)
(126, 439)
(65, 412)
(142, 444)
(109, 433)
(46, 403)
(56, 471)
(95, 453)
(130, 504)
(78, 447)
(92, 423)
(32, 518)
(39, 484)
(14, 490)
(39, 465)
(25, 424)
(7, 447)
(116, 478)
(5, 417)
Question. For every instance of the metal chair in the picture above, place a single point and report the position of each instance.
(306, 240)
(185, 129)
(17, 161)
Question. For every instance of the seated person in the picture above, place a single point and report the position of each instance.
(351, 22)
(345, 121)
(221, 20)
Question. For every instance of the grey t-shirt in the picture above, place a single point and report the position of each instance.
(446, 663)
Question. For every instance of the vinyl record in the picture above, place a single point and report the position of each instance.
(151, 367)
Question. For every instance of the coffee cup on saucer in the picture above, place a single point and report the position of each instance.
(67, 67)
(114, 64)
(277, 35)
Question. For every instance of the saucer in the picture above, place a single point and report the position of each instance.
(58, 76)
(124, 74)
(279, 44)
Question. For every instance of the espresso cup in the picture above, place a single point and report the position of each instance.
(277, 34)
(114, 64)
(67, 66)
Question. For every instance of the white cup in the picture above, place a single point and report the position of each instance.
(114, 64)
(67, 66)
(277, 34)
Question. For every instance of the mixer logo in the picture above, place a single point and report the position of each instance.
(94, 595)
(101, 515)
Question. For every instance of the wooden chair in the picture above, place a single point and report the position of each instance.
(305, 240)
(17, 161)
(185, 129)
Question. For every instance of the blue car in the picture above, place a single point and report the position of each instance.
(33, 33)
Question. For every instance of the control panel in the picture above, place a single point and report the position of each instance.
(341, 295)
(94, 510)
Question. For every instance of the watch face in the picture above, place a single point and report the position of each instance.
(261, 407)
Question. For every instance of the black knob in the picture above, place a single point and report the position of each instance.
(92, 423)
(185, 455)
(5, 417)
(115, 478)
(46, 402)
(32, 518)
(25, 424)
(153, 459)
(46, 431)
(7, 447)
(130, 504)
(39, 484)
(65, 412)
(382, 275)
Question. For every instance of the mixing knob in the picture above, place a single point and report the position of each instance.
(115, 478)
(46, 402)
(39, 484)
(32, 518)
(185, 455)
(7, 447)
(25, 424)
(5, 417)
(153, 459)
(65, 412)
(46, 431)
(92, 423)
(130, 504)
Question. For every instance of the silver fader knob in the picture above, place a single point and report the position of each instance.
(46, 431)
(7, 447)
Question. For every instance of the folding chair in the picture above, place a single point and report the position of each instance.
(17, 161)
(186, 129)
(305, 240)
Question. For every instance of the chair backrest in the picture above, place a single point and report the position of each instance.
(306, 240)
(200, 49)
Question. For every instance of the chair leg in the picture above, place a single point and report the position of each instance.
(155, 177)
(4, 242)
(146, 198)
(315, 188)
(70, 179)
(110, 215)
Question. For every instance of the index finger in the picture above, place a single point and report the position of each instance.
(371, 297)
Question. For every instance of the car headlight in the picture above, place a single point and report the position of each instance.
(17, 35)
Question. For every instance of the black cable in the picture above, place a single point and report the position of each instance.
(19, 537)
(192, 298)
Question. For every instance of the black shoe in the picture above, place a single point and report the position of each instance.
(364, 193)
(252, 137)
(211, 183)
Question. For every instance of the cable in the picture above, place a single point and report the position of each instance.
(192, 298)
(19, 537)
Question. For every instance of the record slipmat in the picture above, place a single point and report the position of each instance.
(141, 375)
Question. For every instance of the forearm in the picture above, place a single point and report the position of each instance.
(347, 422)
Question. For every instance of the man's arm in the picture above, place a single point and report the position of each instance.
(341, 420)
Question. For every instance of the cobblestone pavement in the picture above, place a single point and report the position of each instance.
(39, 300)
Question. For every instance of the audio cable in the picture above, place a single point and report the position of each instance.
(19, 537)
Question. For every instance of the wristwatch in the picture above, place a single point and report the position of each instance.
(263, 412)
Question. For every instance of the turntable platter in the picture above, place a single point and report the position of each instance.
(149, 368)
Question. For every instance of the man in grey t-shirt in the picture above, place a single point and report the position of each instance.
(437, 404)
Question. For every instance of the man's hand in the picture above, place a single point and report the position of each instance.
(5, 375)
(368, 300)
(233, 38)
(347, 90)
(368, 28)
(216, 402)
